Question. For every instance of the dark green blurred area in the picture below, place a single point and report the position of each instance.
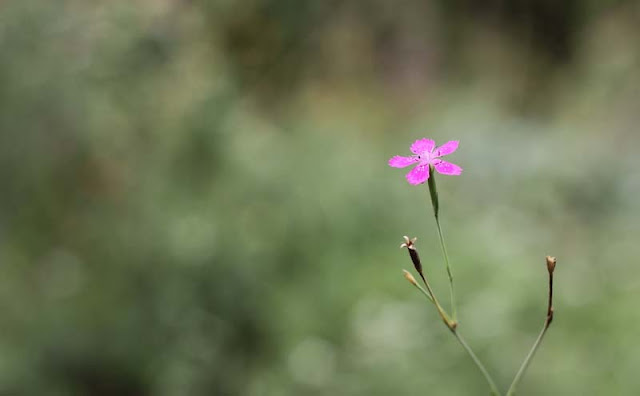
(195, 197)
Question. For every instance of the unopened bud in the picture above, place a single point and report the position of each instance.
(410, 277)
(551, 264)
(413, 253)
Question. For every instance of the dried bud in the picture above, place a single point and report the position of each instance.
(413, 253)
(410, 277)
(551, 264)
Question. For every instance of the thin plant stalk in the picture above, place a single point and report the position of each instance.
(526, 362)
(433, 192)
(494, 388)
(443, 315)
(551, 264)
(451, 324)
(412, 280)
(432, 297)
(446, 261)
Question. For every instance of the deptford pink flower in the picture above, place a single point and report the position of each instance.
(425, 154)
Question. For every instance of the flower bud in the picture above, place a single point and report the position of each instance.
(410, 277)
(551, 264)
(413, 253)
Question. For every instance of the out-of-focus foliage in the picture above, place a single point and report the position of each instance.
(195, 199)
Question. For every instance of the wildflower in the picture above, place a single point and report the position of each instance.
(426, 154)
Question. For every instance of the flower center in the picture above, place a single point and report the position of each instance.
(425, 157)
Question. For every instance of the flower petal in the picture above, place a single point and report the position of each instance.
(401, 162)
(447, 168)
(422, 145)
(447, 148)
(418, 175)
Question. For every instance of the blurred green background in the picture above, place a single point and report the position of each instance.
(195, 197)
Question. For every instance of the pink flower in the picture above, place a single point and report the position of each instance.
(425, 154)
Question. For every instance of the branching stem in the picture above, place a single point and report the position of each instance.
(494, 388)
(547, 322)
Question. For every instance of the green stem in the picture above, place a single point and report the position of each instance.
(547, 322)
(433, 192)
(424, 292)
(527, 360)
(492, 384)
(446, 261)
(432, 297)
